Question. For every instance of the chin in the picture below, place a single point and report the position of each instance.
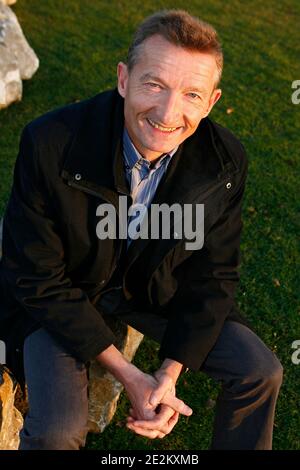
(160, 146)
(160, 150)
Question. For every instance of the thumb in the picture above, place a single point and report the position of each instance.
(157, 396)
(165, 385)
(176, 404)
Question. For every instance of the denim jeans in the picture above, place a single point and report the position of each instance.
(249, 372)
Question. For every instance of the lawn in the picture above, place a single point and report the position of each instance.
(79, 43)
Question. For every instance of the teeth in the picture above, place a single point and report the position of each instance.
(163, 129)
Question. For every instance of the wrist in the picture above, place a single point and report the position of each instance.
(172, 368)
(114, 361)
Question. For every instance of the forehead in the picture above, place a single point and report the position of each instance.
(162, 59)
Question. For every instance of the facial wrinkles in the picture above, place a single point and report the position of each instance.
(180, 81)
(175, 83)
(181, 70)
(170, 105)
(177, 72)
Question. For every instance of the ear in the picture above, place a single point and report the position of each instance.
(122, 73)
(215, 96)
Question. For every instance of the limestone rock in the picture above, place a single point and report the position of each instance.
(11, 420)
(104, 389)
(17, 59)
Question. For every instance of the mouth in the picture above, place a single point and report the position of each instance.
(166, 130)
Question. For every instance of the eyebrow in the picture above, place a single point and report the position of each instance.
(149, 76)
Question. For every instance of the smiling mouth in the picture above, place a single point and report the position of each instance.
(161, 128)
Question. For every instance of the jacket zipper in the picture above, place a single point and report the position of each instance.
(94, 193)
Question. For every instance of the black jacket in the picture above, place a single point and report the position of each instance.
(54, 267)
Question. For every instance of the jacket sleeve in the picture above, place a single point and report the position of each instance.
(205, 298)
(33, 263)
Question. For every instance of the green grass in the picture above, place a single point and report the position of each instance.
(79, 43)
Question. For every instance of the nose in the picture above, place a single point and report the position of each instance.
(170, 110)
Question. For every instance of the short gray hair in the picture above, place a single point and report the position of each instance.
(179, 28)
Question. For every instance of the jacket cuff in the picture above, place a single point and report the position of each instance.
(192, 355)
(95, 347)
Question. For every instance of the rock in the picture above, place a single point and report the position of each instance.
(104, 389)
(17, 60)
(11, 420)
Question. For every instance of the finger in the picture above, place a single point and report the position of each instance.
(176, 404)
(165, 385)
(172, 422)
(143, 414)
(160, 422)
(151, 434)
(167, 428)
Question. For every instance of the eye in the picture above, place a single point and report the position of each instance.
(194, 96)
(153, 85)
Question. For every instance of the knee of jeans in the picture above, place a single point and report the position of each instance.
(269, 373)
(68, 438)
(274, 376)
(53, 436)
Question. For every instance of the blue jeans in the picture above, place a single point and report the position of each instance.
(249, 372)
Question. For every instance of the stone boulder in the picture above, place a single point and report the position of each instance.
(11, 420)
(17, 59)
(104, 389)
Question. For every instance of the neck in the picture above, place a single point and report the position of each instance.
(149, 155)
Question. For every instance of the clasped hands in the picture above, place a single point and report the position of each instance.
(155, 408)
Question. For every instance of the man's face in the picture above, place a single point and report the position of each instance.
(166, 94)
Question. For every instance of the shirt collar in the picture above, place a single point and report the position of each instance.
(134, 158)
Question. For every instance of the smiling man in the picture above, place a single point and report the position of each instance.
(167, 91)
(149, 141)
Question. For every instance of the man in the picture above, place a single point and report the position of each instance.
(150, 141)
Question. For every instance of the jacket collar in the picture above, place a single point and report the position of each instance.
(195, 170)
(95, 158)
(95, 162)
